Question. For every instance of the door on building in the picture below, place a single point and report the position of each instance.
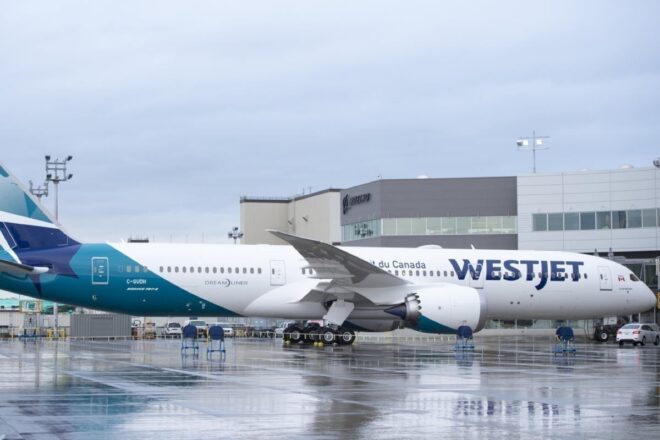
(100, 270)
(605, 278)
(277, 273)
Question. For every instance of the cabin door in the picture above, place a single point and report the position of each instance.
(604, 278)
(277, 273)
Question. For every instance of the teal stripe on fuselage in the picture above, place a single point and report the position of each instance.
(130, 293)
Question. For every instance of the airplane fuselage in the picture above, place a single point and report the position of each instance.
(224, 280)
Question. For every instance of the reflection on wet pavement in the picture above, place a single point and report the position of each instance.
(508, 388)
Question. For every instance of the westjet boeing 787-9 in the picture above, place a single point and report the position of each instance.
(371, 289)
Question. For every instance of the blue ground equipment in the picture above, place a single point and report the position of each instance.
(189, 340)
(565, 340)
(216, 341)
(464, 339)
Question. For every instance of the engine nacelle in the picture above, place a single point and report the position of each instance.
(442, 309)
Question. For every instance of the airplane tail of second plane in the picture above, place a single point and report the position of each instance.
(25, 226)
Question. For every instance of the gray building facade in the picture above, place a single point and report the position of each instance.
(452, 212)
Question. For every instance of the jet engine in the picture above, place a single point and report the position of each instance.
(442, 309)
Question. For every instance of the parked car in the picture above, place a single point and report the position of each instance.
(638, 333)
(172, 330)
(202, 330)
(228, 329)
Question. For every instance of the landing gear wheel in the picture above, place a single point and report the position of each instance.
(327, 336)
(286, 334)
(295, 335)
(346, 337)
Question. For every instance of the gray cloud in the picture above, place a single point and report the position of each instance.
(173, 110)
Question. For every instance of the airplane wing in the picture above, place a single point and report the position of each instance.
(18, 269)
(344, 269)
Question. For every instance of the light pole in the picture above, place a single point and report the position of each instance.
(536, 143)
(56, 173)
(39, 191)
(235, 233)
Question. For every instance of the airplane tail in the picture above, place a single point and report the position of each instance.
(24, 224)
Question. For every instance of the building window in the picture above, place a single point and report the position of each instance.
(635, 218)
(572, 221)
(619, 219)
(587, 221)
(540, 222)
(604, 220)
(649, 219)
(555, 222)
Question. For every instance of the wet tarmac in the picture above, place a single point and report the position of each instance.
(509, 388)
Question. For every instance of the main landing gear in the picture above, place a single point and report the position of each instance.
(316, 334)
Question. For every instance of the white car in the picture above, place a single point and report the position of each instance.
(227, 328)
(200, 324)
(172, 329)
(638, 333)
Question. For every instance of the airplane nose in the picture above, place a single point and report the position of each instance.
(650, 300)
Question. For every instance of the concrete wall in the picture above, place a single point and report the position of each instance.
(460, 197)
(314, 216)
(580, 191)
(259, 215)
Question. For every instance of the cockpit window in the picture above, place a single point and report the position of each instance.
(633, 277)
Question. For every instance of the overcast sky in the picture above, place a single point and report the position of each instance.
(173, 110)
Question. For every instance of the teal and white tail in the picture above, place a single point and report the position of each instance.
(24, 225)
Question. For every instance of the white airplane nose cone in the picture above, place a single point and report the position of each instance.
(650, 300)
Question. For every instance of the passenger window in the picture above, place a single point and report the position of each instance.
(129, 269)
(137, 269)
(258, 270)
(237, 271)
(192, 269)
(396, 272)
(206, 269)
(169, 269)
(252, 270)
(585, 276)
(417, 273)
(229, 270)
(215, 270)
(176, 269)
(244, 270)
(199, 269)
(410, 273)
(445, 273)
(452, 273)
(145, 269)
(183, 269)
(161, 269)
(430, 273)
(222, 270)
(424, 273)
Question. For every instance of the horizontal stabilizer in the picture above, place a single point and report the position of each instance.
(13, 268)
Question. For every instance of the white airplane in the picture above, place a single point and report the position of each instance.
(371, 289)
